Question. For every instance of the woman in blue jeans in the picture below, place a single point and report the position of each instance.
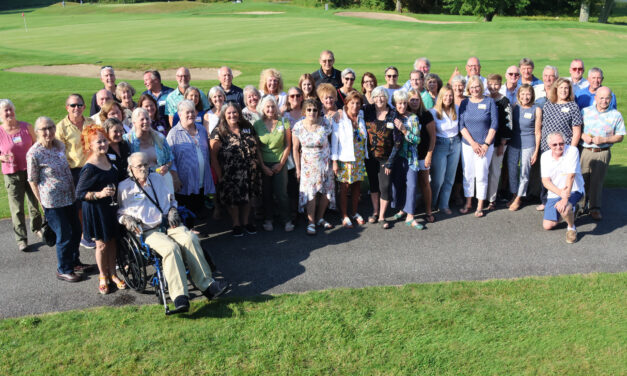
(447, 149)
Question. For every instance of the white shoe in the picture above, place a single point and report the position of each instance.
(267, 225)
(289, 226)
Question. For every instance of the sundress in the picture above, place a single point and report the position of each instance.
(316, 174)
(241, 178)
(351, 172)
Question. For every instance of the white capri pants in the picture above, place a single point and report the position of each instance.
(476, 168)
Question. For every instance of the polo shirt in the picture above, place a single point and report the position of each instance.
(604, 124)
(511, 95)
(175, 97)
(534, 81)
(582, 84)
(334, 79)
(585, 98)
(235, 94)
(69, 134)
(163, 95)
(558, 169)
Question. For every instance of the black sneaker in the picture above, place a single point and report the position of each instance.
(251, 229)
(181, 304)
(238, 231)
(215, 289)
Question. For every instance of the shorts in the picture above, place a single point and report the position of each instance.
(551, 214)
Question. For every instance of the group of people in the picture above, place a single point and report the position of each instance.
(266, 151)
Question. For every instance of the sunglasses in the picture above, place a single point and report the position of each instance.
(391, 75)
(557, 144)
(314, 110)
(349, 78)
(577, 69)
(73, 105)
(294, 95)
(514, 74)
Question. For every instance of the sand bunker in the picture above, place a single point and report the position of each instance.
(93, 71)
(392, 17)
(259, 12)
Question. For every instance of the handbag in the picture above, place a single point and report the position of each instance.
(50, 238)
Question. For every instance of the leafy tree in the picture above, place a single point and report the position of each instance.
(486, 8)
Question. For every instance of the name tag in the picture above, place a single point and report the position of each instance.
(198, 119)
(112, 157)
(565, 109)
(17, 139)
(527, 115)
(139, 196)
(280, 128)
(482, 106)
(160, 128)
(246, 131)
(161, 103)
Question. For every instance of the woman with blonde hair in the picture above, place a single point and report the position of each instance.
(271, 83)
(124, 92)
(328, 96)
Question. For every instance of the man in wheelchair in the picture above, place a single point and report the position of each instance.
(148, 207)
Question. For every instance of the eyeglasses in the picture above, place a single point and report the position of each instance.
(46, 129)
(314, 110)
(73, 105)
(577, 69)
(327, 61)
(391, 75)
(349, 78)
(369, 82)
(141, 165)
(514, 74)
(182, 75)
(295, 95)
(557, 144)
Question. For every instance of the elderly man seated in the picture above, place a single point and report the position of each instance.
(561, 176)
(148, 207)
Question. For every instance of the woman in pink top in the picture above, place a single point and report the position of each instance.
(16, 137)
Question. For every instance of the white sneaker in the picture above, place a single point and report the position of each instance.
(289, 226)
(267, 225)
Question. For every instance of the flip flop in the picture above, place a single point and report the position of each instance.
(430, 218)
(414, 224)
(479, 213)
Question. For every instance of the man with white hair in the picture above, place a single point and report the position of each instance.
(107, 76)
(148, 207)
(233, 93)
(473, 68)
(327, 73)
(102, 96)
(585, 97)
(421, 64)
(549, 75)
(510, 89)
(602, 128)
(576, 75)
(561, 176)
(183, 78)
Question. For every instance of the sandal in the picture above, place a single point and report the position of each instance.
(386, 225)
(346, 223)
(120, 284)
(540, 207)
(491, 206)
(430, 218)
(514, 206)
(479, 213)
(324, 224)
(103, 287)
(414, 224)
(374, 218)
(398, 216)
(465, 209)
(359, 219)
(311, 229)
(447, 211)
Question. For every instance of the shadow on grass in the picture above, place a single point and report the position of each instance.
(222, 308)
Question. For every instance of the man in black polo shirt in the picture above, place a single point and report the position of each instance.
(326, 73)
(107, 76)
(233, 93)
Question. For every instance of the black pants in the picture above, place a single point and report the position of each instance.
(193, 203)
(378, 180)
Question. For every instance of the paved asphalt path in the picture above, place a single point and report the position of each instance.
(460, 247)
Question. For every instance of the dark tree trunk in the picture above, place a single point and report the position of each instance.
(606, 11)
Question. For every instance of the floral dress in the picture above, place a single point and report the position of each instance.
(316, 174)
(241, 177)
(351, 172)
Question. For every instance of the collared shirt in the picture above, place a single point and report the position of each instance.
(603, 124)
(161, 99)
(512, 95)
(534, 81)
(70, 135)
(194, 172)
(585, 98)
(445, 127)
(235, 94)
(133, 200)
(48, 168)
(334, 79)
(175, 97)
(162, 149)
(558, 169)
(540, 94)
(582, 84)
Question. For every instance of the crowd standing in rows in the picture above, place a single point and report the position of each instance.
(270, 152)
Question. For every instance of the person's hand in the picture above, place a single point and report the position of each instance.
(107, 191)
(131, 224)
(428, 160)
(387, 171)
(561, 205)
(277, 168)
(174, 219)
(266, 170)
(534, 158)
(399, 125)
(484, 150)
(456, 71)
(597, 140)
(586, 138)
(476, 148)
(336, 167)
(298, 173)
(162, 170)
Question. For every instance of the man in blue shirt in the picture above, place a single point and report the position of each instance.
(585, 97)
(526, 72)
(232, 92)
(576, 75)
(154, 88)
(183, 78)
(510, 89)
(326, 73)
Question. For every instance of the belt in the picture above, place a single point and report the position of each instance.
(598, 150)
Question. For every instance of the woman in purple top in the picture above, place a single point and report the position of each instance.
(16, 137)
(190, 146)
(478, 122)
(51, 181)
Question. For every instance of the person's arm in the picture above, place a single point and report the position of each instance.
(265, 169)
(538, 135)
(296, 153)
(215, 146)
(287, 132)
(432, 133)
(598, 140)
(576, 135)
(35, 188)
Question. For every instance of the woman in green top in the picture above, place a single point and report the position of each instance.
(276, 142)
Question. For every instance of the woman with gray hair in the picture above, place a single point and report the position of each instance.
(275, 142)
(124, 93)
(348, 80)
(51, 181)
(190, 148)
(16, 137)
(251, 101)
(384, 142)
(217, 97)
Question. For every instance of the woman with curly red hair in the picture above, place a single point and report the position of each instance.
(96, 189)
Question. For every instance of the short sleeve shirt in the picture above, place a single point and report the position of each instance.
(559, 169)
(272, 143)
(559, 117)
(603, 124)
(70, 135)
(49, 169)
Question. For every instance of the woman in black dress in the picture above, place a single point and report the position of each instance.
(119, 150)
(96, 189)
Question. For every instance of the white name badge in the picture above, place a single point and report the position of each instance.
(280, 128)
(565, 109)
(160, 128)
(139, 196)
(198, 119)
(246, 131)
(482, 106)
(161, 103)
(17, 139)
(527, 115)
(112, 157)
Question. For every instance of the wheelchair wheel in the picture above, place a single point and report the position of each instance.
(131, 262)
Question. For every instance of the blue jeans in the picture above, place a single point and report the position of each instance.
(64, 222)
(443, 167)
(404, 186)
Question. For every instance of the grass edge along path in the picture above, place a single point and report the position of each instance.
(572, 324)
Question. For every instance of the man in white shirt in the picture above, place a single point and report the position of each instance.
(549, 75)
(561, 176)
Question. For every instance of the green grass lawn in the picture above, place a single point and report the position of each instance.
(165, 35)
(567, 325)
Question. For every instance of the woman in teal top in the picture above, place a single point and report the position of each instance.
(275, 142)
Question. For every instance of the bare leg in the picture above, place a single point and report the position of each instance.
(568, 216)
(323, 202)
(355, 191)
(374, 197)
(425, 188)
(311, 211)
(343, 200)
(383, 208)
